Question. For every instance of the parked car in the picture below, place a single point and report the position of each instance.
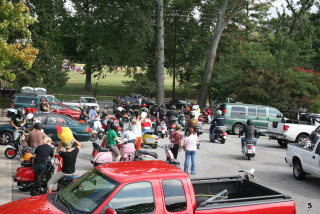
(49, 121)
(25, 100)
(143, 99)
(236, 114)
(60, 108)
(84, 101)
(124, 187)
(293, 130)
(305, 159)
(179, 103)
(122, 101)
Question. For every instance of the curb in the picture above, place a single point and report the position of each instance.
(5, 178)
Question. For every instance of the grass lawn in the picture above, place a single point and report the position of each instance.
(110, 86)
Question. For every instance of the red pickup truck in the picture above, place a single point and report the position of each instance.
(155, 187)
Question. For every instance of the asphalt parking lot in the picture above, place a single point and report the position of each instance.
(214, 159)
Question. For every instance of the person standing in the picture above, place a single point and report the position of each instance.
(175, 138)
(190, 146)
(92, 116)
(41, 155)
(136, 129)
(69, 158)
(17, 122)
(35, 138)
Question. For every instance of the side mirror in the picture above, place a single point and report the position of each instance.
(110, 211)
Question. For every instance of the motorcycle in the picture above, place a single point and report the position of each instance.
(173, 121)
(182, 119)
(41, 188)
(161, 129)
(169, 155)
(150, 139)
(248, 149)
(16, 146)
(220, 135)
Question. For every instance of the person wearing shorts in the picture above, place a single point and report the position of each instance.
(112, 140)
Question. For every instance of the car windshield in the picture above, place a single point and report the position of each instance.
(87, 193)
(25, 99)
(88, 100)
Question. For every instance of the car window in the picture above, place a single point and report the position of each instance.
(53, 120)
(262, 111)
(174, 195)
(318, 149)
(273, 112)
(88, 100)
(252, 111)
(60, 107)
(41, 118)
(25, 99)
(238, 112)
(133, 198)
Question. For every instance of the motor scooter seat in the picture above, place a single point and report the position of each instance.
(104, 149)
(25, 164)
(149, 133)
(153, 154)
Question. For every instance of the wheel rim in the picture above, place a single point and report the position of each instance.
(302, 139)
(4, 138)
(296, 170)
(10, 152)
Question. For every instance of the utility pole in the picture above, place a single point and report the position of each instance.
(174, 56)
(160, 53)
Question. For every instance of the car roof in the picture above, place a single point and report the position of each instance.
(131, 171)
(87, 97)
(243, 104)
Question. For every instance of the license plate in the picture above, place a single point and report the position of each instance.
(250, 151)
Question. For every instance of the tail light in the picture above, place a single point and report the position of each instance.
(171, 125)
(162, 128)
(250, 146)
(28, 109)
(33, 110)
(103, 126)
(224, 133)
(224, 111)
(12, 105)
(88, 129)
(285, 128)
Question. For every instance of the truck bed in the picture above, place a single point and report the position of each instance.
(240, 192)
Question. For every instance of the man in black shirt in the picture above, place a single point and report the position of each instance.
(69, 158)
(41, 155)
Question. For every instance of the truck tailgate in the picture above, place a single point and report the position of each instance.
(275, 128)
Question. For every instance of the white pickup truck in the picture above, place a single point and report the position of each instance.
(296, 131)
(84, 101)
(305, 159)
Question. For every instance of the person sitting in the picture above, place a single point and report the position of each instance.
(112, 140)
(17, 121)
(248, 130)
(69, 157)
(41, 155)
(216, 123)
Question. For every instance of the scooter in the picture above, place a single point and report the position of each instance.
(248, 149)
(173, 121)
(161, 129)
(127, 150)
(16, 146)
(170, 159)
(182, 119)
(220, 135)
(150, 139)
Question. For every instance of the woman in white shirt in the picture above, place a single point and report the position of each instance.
(190, 145)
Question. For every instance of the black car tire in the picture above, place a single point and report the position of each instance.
(298, 172)
(236, 128)
(5, 138)
(282, 143)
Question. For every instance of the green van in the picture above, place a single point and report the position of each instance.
(236, 114)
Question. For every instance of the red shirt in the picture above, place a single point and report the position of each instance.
(175, 137)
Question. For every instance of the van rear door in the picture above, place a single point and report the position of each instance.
(262, 119)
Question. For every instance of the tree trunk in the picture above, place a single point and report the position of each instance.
(87, 86)
(220, 25)
(160, 54)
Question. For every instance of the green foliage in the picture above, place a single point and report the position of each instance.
(141, 84)
(15, 47)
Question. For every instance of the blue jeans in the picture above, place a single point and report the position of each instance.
(38, 170)
(192, 154)
(244, 139)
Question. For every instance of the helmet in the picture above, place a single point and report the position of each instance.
(192, 123)
(219, 112)
(100, 135)
(173, 107)
(20, 111)
(144, 105)
(29, 116)
(194, 107)
(249, 122)
(106, 106)
(27, 157)
(192, 114)
(143, 115)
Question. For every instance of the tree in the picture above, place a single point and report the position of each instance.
(47, 37)
(15, 46)
(222, 20)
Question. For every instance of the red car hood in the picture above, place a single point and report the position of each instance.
(36, 204)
